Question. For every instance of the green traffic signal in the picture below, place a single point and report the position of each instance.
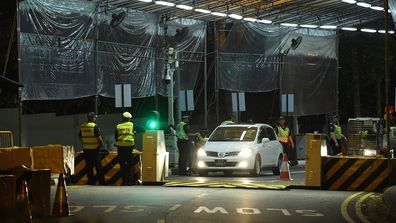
(152, 124)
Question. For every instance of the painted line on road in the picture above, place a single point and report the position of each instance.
(202, 195)
(174, 207)
(297, 171)
(358, 208)
(344, 207)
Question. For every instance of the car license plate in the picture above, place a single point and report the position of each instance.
(220, 163)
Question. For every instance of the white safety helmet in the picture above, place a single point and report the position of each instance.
(126, 115)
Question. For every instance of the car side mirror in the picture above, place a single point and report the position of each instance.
(265, 140)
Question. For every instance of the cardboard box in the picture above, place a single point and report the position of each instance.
(14, 157)
(57, 158)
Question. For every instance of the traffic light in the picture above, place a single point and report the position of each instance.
(152, 124)
(153, 121)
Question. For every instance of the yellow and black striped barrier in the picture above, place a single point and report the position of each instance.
(355, 173)
(227, 184)
(110, 165)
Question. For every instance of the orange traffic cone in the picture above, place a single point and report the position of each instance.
(61, 203)
(22, 199)
(285, 170)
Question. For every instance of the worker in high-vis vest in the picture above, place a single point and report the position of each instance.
(228, 120)
(286, 139)
(336, 136)
(125, 142)
(185, 145)
(91, 140)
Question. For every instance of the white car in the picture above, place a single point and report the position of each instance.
(240, 147)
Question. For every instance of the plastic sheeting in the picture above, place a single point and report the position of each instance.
(392, 7)
(251, 61)
(69, 50)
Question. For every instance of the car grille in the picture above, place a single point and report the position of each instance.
(215, 154)
(228, 164)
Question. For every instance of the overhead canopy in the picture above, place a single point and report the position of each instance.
(318, 12)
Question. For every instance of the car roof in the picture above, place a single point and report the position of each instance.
(244, 125)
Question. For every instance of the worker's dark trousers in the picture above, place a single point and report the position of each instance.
(184, 147)
(125, 159)
(335, 149)
(291, 153)
(93, 159)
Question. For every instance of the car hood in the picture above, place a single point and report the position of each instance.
(227, 146)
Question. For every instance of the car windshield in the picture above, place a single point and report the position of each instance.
(234, 134)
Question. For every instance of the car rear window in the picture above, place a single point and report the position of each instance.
(234, 134)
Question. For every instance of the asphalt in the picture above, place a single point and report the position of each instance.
(381, 207)
(165, 204)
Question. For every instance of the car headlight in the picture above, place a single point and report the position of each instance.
(246, 152)
(201, 152)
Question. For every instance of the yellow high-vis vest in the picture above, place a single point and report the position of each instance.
(125, 134)
(283, 134)
(88, 138)
(180, 133)
(337, 131)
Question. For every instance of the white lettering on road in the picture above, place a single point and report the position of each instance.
(75, 209)
(309, 213)
(107, 208)
(248, 211)
(174, 207)
(213, 211)
(133, 209)
(284, 211)
(202, 195)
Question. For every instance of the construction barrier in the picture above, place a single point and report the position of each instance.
(110, 166)
(6, 139)
(39, 186)
(355, 173)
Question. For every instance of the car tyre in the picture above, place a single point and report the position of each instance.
(257, 167)
(276, 170)
(203, 173)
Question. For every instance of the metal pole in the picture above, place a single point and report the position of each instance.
(96, 61)
(205, 81)
(171, 118)
(280, 83)
(20, 106)
(386, 67)
(177, 69)
(216, 73)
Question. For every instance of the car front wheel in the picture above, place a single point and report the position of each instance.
(257, 167)
(276, 170)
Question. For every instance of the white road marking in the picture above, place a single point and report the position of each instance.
(248, 211)
(309, 213)
(297, 171)
(133, 209)
(284, 211)
(174, 207)
(358, 208)
(213, 211)
(75, 208)
(108, 208)
(344, 207)
(202, 195)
